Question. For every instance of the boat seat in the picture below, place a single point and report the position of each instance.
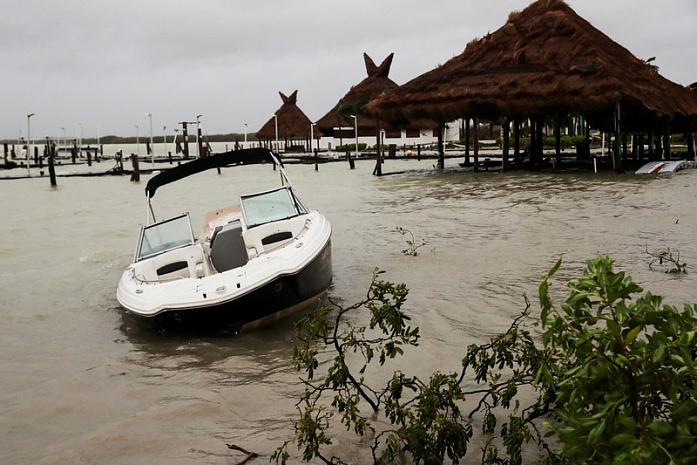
(227, 247)
(174, 264)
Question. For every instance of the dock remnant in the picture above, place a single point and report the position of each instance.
(135, 175)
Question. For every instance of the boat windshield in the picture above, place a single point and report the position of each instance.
(270, 206)
(163, 236)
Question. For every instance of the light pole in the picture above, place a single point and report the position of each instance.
(79, 139)
(137, 142)
(198, 136)
(29, 141)
(65, 139)
(152, 149)
(174, 141)
(245, 136)
(164, 140)
(275, 117)
(312, 136)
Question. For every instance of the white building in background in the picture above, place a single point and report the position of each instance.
(426, 138)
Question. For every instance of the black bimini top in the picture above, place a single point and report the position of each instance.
(237, 157)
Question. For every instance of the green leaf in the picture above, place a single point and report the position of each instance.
(631, 335)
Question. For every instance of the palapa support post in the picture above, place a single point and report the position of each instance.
(616, 159)
(658, 143)
(539, 145)
(516, 143)
(5, 153)
(505, 136)
(557, 140)
(690, 141)
(316, 160)
(666, 142)
(476, 143)
(135, 176)
(441, 145)
(467, 142)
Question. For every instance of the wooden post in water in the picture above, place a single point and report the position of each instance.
(185, 135)
(51, 168)
(377, 171)
(135, 176)
(441, 145)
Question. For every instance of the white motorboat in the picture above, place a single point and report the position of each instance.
(253, 263)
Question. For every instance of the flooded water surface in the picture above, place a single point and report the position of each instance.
(83, 382)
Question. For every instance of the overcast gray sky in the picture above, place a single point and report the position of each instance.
(101, 65)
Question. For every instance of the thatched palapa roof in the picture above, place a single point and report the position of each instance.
(545, 60)
(358, 96)
(292, 122)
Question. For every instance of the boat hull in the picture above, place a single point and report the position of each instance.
(274, 300)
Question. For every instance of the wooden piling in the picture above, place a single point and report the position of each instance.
(135, 176)
(51, 168)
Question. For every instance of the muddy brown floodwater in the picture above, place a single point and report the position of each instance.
(82, 382)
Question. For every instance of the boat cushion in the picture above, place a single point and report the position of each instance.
(227, 247)
(172, 267)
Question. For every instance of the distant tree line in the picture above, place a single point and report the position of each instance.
(112, 139)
